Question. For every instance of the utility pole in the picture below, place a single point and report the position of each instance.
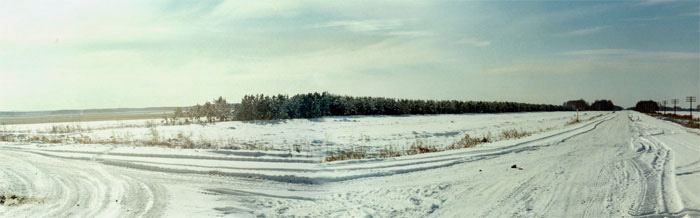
(674, 101)
(665, 106)
(690, 99)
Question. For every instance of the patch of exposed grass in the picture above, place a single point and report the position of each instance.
(683, 120)
(421, 146)
(515, 134)
(60, 129)
(468, 142)
(390, 150)
(354, 153)
(575, 121)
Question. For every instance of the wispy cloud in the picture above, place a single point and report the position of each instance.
(363, 25)
(127, 48)
(412, 33)
(644, 19)
(388, 27)
(581, 66)
(474, 42)
(636, 54)
(339, 61)
(584, 31)
(654, 2)
(697, 13)
(598, 61)
(255, 9)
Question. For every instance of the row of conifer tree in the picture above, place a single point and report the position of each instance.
(315, 105)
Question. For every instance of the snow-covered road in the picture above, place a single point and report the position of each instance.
(621, 164)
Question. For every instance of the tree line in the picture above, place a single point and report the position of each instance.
(216, 110)
(598, 105)
(315, 105)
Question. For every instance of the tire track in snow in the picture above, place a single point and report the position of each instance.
(656, 163)
(68, 188)
(645, 171)
(325, 173)
(587, 188)
(660, 196)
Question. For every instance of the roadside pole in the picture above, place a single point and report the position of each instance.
(674, 101)
(665, 106)
(691, 99)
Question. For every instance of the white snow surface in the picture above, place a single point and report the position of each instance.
(320, 135)
(617, 165)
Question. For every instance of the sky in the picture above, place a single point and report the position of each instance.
(82, 54)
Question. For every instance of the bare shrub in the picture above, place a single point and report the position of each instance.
(151, 124)
(204, 142)
(515, 134)
(389, 151)
(84, 140)
(183, 140)
(692, 124)
(572, 122)
(466, 142)
(7, 137)
(156, 139)
(60, 129)
(421, 146)
(359, 153)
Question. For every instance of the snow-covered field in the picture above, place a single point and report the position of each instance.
(695, 113)
(615, 165)
(315, 135)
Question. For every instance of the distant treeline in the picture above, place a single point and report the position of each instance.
(598, 105)
(647, 106)
(314, 105)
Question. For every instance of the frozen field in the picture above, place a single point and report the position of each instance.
(614, 165)
(695, 113)
(317, 136)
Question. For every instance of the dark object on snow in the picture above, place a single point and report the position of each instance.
(479, 170)
(2, 199)
(514, 166)
(520, 168)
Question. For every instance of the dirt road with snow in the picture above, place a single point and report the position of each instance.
(621, 164)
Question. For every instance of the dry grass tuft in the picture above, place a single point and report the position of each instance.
(515, 134)
(467, 142)
(420, 146)
(360, 153)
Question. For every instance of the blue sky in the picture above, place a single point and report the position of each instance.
(88, 54)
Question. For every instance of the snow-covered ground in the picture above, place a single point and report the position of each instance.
(619, 164)
(315, 135)
(695, 113)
